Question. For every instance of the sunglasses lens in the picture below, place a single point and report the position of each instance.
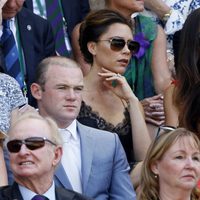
(34, 143)
(14, 146)
(133, 46)
(117, 44)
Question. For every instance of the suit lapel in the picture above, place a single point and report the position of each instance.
(12, 192)
(61, 175)
(87, 149)
(62, 194)
(29, 4)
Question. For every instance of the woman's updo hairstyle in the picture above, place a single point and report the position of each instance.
(95, 24)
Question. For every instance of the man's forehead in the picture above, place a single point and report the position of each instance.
(56, 70)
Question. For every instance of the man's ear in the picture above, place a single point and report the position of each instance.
(58, 151)
(36, 91)
(92, 48)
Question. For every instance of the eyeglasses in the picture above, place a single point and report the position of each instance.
(117, 44)
(31, 143)
(164, 129)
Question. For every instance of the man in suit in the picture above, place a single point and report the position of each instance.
(72, 11)
(101, 168)
(33, 36)
(35, 150)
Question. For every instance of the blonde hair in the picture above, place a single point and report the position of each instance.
(149, 185)
(54, 132)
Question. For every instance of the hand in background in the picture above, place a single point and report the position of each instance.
(16, 113)
(154, 110)
(159, 7)
(2, 2)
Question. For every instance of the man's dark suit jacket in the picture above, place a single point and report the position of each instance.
(74, 11)
(37, 42)
(13, 193)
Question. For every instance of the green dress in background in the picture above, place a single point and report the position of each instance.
(138, 73)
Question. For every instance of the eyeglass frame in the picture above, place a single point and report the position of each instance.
(166, 129)
(125, 43)
(44, 139)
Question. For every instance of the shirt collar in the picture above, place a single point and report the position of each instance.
(72, 129)
(28, 194)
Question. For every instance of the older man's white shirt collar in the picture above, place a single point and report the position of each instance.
(28, 194)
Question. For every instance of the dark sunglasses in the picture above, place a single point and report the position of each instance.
(117, 44)
(31, 143)
(164, 129)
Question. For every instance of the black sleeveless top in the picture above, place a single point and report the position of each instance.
(90, 118)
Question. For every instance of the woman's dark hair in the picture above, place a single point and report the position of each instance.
(191, 117)
(95, 24)
(188, 68)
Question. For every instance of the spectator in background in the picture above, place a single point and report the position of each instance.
(171, 14)
(171, 168)
(3, 178)
(93, 162)
(32, 39)
(67, 13)
(11, 98)
(34, 146)
(191, 107)
(188, 71)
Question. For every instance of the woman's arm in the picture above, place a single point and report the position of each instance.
(157, 6)
(171, 112)
(160, 69)
(140, 134)
(3, 177)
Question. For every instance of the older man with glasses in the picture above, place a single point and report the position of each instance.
(35, 149)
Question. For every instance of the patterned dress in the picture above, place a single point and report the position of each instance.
(11, 97)
(180, 10)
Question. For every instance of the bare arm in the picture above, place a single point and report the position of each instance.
(157, 6)
(160, 69)
(171, 112)
(140, 134)
(3, 177)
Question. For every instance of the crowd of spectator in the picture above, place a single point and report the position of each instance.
(99, 99)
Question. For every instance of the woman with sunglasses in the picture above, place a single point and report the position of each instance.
(108, 101)
(171, 168)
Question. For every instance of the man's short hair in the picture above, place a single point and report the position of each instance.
(54, 132)
(42, 68)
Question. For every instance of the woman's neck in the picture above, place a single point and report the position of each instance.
(167, 193)
(93, 81)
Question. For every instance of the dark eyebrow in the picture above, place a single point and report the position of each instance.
(69, 86)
